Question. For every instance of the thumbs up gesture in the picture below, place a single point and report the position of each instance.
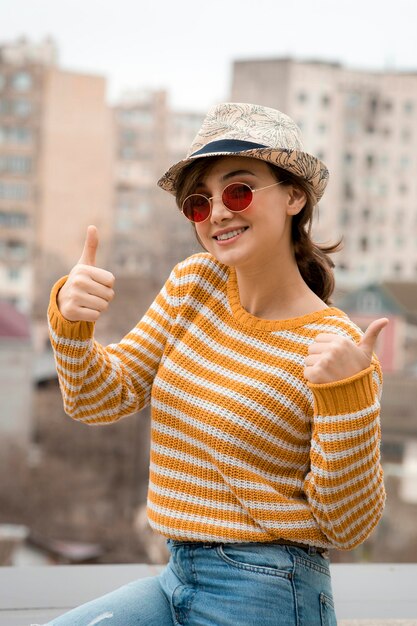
(332, 357)
(88, 289)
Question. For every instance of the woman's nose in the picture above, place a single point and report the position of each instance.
(219, 211)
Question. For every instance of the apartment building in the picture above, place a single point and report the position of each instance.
(150, 234)
(363, 125)
(55, 170)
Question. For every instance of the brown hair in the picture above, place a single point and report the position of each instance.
(313, 260)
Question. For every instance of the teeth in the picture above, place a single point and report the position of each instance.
(230, 234)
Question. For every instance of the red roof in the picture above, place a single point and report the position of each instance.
(13, 323)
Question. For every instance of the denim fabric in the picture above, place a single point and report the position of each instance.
(229, 584)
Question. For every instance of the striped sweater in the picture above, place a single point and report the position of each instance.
(242, 447)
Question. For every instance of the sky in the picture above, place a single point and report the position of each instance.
(188, 46)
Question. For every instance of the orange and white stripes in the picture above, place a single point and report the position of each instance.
(242, 448)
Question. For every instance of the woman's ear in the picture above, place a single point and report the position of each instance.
(297, 199)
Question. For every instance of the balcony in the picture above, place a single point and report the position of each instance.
(365, 594)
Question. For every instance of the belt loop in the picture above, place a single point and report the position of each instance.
(211, 544)
(312, 550)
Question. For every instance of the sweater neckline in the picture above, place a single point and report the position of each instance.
(247, 319)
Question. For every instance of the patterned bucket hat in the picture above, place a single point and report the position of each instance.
(254, 131)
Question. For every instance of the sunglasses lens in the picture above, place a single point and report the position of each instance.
(237, 197)
(196, 208)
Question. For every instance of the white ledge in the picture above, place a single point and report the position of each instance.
(365, 595)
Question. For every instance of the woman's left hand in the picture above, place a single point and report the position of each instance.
(332, 357)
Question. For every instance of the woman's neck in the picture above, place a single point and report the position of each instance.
(276, 292)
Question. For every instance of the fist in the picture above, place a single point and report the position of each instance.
(332, 357)
(88, 289)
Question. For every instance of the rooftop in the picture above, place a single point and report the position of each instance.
(12, 322)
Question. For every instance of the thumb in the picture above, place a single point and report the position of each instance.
(369, 339)
(88, 256)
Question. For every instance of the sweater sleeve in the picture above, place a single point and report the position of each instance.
(102, 384)
(344, 486)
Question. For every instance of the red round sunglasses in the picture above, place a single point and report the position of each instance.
(236, 197)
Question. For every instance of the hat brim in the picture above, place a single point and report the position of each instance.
(302, 164)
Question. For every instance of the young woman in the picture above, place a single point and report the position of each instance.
(265, 398)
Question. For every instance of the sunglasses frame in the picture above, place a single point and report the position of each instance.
(210, 200)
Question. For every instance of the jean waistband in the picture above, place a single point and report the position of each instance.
(280, 542)
(303, 546)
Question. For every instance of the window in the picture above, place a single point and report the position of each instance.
(325, 101)
(348, 190)
(345, 217)
(373, 105)
(5, 107)
(15, 164)
(135, 116)
(15, 134)
(22, 81)
(13, 220)
(124, 201)
(405, 162)
(353, 100)
(128, 136)
(364, 244)
(22, 108)
(408, 106)
(375, 186)
(142, 116)
(382, 189)
(144, 208)
(127, 153)
(366, 214)
(17, 250)
(302, 97)
(2, 81)
(14, 273)
(189, 123)
(369, 301)
(352, 126)
(14, 191)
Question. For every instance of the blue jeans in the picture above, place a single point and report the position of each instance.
(244, 584)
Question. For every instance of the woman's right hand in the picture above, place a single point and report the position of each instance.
(88, 289)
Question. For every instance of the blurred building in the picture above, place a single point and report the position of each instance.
(55, 170)
(397, 351)
(396, 537)
(397, 344)
(16, 364)
(363, 125)
(150, 234)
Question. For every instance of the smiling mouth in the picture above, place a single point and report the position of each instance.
(230, 234)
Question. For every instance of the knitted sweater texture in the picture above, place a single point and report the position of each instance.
(243, 449)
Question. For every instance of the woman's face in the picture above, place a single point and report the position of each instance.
(260, 234)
